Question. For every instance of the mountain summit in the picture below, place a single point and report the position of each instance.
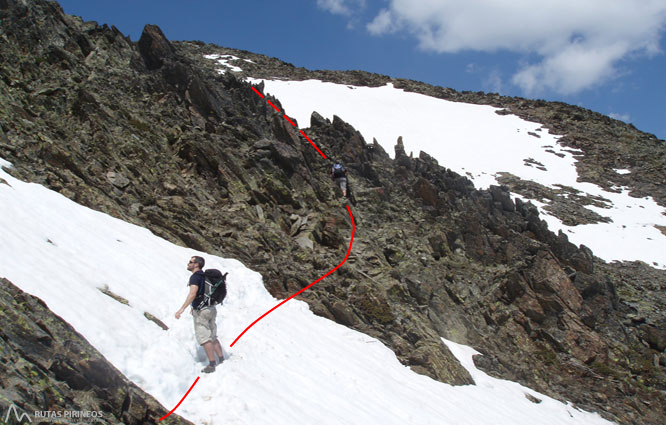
(171, 136)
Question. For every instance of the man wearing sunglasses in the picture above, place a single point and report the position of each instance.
(205, 329)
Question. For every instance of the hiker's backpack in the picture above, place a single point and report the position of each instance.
(338, 171)
(215, 289)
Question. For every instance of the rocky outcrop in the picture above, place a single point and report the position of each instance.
(154, 47)
(199, 159)
(47, 367)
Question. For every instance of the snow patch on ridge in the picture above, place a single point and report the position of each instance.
(224, 61)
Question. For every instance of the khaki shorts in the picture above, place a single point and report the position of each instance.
(205, 328)
(342, 182)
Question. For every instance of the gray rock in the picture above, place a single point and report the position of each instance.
(117, 179)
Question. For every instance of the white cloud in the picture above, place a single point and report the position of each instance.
(341, 7)
(578, 44)
(572, 69)
(383, 23)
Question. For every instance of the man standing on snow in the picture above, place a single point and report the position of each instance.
(205, 329)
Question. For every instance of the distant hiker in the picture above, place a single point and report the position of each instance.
(205, 329)
(339, 176)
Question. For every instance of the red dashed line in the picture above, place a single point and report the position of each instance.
(257, 92)
(313, 145)
(290, 122)
(274, 107)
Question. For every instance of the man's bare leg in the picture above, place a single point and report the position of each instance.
(218, 349)
(210, 351)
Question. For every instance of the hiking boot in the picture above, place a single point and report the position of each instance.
(208, 369)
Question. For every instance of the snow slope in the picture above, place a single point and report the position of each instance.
(473, 140)
(291, 368)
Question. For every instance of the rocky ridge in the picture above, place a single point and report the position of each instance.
(150, 132)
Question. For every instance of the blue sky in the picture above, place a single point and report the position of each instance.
(599, 54)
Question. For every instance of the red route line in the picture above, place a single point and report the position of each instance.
(274, 107)
(181, 400)
(313, 145)
(307, 287)
(257, 92)
(290, 122)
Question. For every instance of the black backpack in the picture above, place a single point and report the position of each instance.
(339, 171)
(215, 289)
